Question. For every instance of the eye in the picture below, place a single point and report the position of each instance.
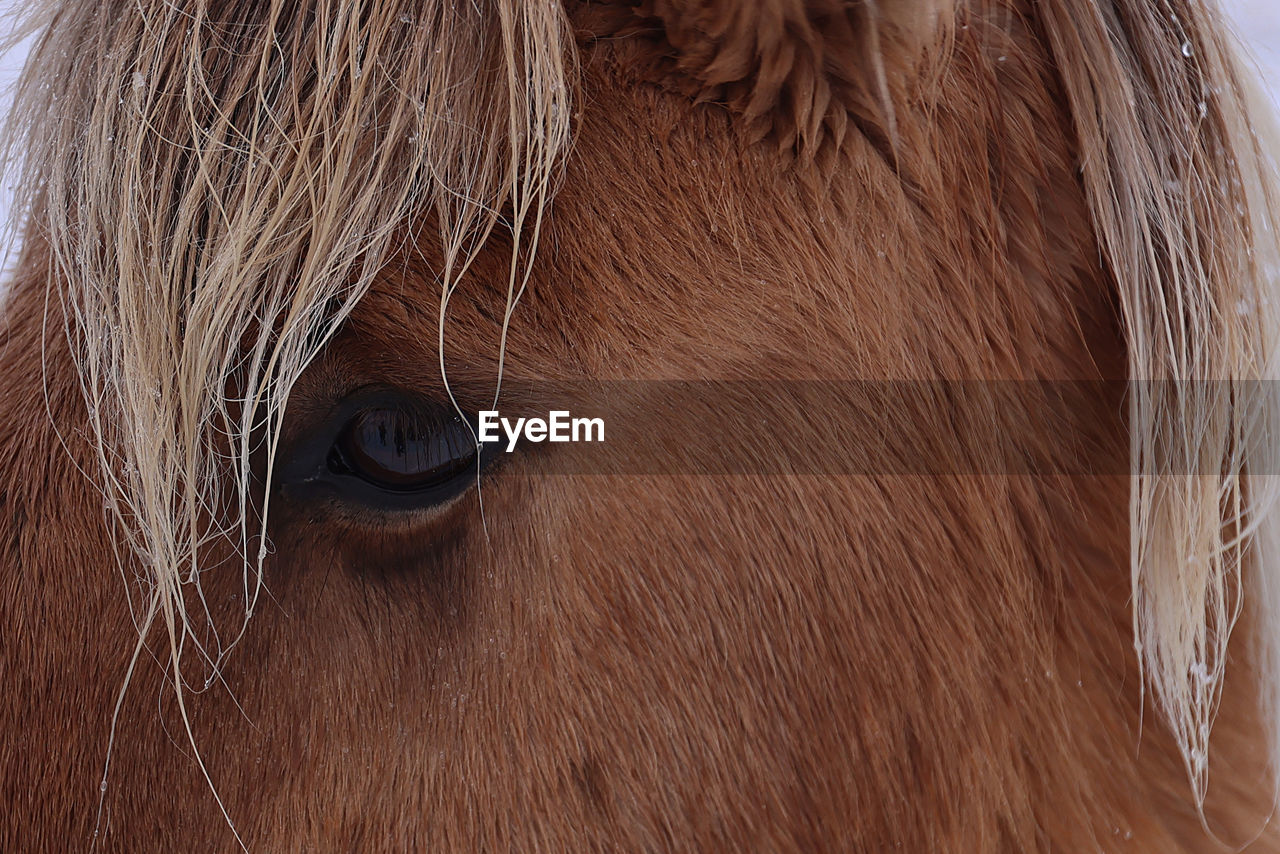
(382, 449)
(403, 451)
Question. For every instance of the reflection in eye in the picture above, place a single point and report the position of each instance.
(403, 451)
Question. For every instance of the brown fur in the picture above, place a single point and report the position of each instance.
(666, 663)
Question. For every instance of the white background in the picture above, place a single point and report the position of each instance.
(1258, 22)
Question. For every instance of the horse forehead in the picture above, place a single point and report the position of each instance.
(670, 225)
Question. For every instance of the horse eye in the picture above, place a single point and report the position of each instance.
(404, 452)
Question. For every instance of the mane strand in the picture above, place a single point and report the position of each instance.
(218, 186)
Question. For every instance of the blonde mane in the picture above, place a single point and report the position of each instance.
(1182, 194)
(217, 193)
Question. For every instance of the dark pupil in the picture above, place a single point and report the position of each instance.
(403, 451)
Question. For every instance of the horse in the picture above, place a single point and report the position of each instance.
(265, 588)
